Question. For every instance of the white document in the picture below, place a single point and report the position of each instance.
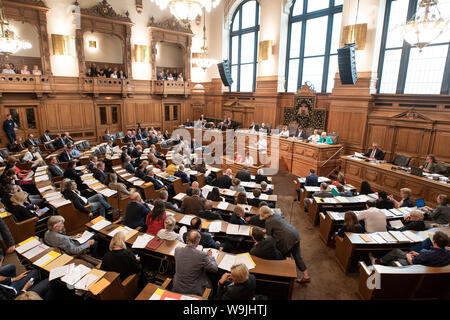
(179, 196)
(263, 196)
(60, 203)
(85, 237)
(76, 274)
(312, 189)
(413, 236)
(80, 168)
(41, 190)
(42, 178)
(186, 220)
(205, 193)
(397, 224)
(101, 224)
(323, 179)
(138, 183)
(27, 246)
(59, 272)
(400, 236)
(377, 238)
(387, 236)
(244, 230)
(117, 230)
(178, 244)
(86, 281)
(222, 205)
(142, 240)
(132, 179)
(215, 226)
(232, 229)
(41, 261)
(108, 192)
(35, 251)
(52, 194)
(229, 260)
(215, 252)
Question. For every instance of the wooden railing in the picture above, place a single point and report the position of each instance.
(17, 83)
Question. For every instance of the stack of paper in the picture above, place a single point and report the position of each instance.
(177, 244)
(413, 236)
(42, 178)
(399, 236)
(222, 205)
(377, 238)
(236, 229)
(84, 237)
(60, 202)
(186, 220)
(397, 224)
(387, 236)
(132, 179)
(138, 183)
(179, 196)
(100, 224)
(75, 274)
(215, 226)
(108, 192)
(86, 281)
(229, 260)
(263, 196)
(59, 272)
(215, 252)
(52, 255)
(142, 240)
(42, 190)
(27, 245)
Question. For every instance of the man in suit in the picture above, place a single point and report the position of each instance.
(108, 136)
(260, 176)
(254, 126)
(58, 143)
(208, 213)
(188, 123)
(46, 137)
(136, 212)
(206, 240)
(300, 134)
(375, 153)
(151, 177)
(153, 138)
(30, 141)
(65, 155)
(92, 162)
(136, 155)
(128, 166)
(6, 238)
(128, 137)
(97, 201)
(222, 126)
(54, 167)
(264, 128)
(164, 196)
(225, 180)
(74, 174)
(181, 174)
(8, 127)
(265, 248)
(193, 186)
(244, 174)
(193, 204)
(99, 172)
(191, 266)
(312, 180)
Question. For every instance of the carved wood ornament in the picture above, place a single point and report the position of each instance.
(104, 19)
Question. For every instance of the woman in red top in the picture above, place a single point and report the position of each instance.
(155, 220)
(340, 179)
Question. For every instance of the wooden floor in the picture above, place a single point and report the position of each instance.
(328, 282)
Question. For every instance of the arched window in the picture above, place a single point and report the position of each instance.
(244, 46)
(402, 68)
(313, 40)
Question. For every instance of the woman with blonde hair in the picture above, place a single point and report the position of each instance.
(120, 259)
(287, 238)
(237, 285)
(167, 233)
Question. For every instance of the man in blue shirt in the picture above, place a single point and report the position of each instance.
(8, 127)
(136, 212)
(436, 256)
(206, 241)
(180, 173)
(310, 181)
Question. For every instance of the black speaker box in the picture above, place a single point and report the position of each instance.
(347, 65)
(225, 73)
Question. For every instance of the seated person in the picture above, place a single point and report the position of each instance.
(208, 213)
(253, 126)
(181, 174)
(140, 172)
(136, 212)
(74, 153)
(375, 153)
(33, 157)
(194, 185)
(405, 194)
(265, 188)
(340, 179)
(99, 172)
(206, 240)
(383, 202)
(314, 137)
(242, 198)
(225, 180)
(440, 215)
(436, 256)
(54, 167)
(14, 287)
(265, 247)
(155, 219)
(55, 236)
(237, 185)
(188, 123)
(193, 204)
(214, 195)
(96, 202)
(74, 174)
(65, 155)
(351, 224)
(120, 259)
(325, 139)
(365, 188)
(164, 196)
(19, 210)
(430, 164)
(191, 266)
(413, 221)
(244, 174)
(237, 285)
(36, 71)
(323, 193)
(374, 219)
(260, 176)
(121, 188)
(167, 233)
(300, 133)
(342, 191)
(255, 201)
(255, 220)
(285, 132)
(151, 177)
(238, 215)
(128, 166)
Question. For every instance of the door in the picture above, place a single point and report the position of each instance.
(26, 120)
(171, 116)
(108, 118)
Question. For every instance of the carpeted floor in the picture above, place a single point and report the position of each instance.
(327, 280)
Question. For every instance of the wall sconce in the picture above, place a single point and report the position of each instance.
(355, 33)
(63, 45)
(93, 44)
(265, 50)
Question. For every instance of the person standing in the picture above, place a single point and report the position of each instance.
(8, 127)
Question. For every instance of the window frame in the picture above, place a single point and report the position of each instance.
(239, 33)
(405, 53)
(303, 18)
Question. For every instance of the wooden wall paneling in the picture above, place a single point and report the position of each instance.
(439, 146)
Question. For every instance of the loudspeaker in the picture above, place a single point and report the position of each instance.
(347, 65)
(225, 73)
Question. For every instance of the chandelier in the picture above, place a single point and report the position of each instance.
(201, 58)
(426, 26)
(9, 43)
(187, 10)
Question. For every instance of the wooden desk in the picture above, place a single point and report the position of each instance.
(150, 289)
(382, 177)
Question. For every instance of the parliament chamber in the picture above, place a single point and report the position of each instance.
(225, 150)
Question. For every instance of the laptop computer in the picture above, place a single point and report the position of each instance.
(420, 203)
(417, 171)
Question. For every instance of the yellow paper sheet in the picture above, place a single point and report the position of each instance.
(98, 287)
